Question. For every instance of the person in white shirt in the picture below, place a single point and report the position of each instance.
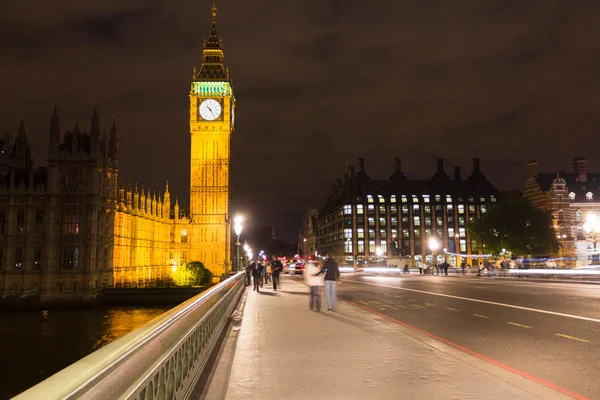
(314, 280)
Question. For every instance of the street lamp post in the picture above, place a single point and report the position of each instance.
(434, 245)
(592, 227)
(237, 221)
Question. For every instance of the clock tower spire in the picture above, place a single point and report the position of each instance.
(212, 111)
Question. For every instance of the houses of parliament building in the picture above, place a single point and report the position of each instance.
(75, 227)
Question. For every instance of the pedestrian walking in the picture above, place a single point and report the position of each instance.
(463, 266)
(263, 273)
(248, 274)
(314, 280)
(276, 268)
(256, 275)
(332, 273)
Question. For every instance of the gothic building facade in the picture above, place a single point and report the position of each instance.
(365, 219)
(74, 227)
(573, 198)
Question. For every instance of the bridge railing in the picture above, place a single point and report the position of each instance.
(161, 360)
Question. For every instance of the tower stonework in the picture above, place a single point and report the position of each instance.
(212, 113)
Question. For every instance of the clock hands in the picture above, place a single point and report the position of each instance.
(211, 111)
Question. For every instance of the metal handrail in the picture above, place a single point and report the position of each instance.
(163, 359)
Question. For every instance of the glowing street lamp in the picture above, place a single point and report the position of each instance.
(237, 227)
(434, 245)
(378, 251)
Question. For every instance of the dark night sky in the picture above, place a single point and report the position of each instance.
(316, 82)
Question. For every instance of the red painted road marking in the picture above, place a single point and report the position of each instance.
(480, 356)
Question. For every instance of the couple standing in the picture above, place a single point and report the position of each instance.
(326, 275)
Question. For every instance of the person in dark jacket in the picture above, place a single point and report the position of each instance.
(276, 268)
(332, 273)
(256, 268)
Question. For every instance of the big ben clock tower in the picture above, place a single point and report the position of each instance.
(212, 111)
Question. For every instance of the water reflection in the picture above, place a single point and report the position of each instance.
(32, 350)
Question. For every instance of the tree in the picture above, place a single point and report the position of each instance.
(192, 274)
(518, 227)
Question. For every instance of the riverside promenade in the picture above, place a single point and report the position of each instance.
(282, 350)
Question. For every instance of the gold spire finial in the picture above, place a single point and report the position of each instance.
(214, 10)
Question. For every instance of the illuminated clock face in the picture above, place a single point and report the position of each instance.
(210, 109)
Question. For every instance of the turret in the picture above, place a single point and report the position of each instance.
(167, 202)
(95, 134)
(128, 197)
(54, 135)
(113, 145)
(176, 209)
(136, 198)
(143, 201)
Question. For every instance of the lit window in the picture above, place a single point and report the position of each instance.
(493, 198)
(359, 209)
(348, 233)
(348, 246)
(371, 208)
(382, 234)
(416, 207)
(589, 196)
(347, 209)
(382, 221)
(404, 209)
(428, 232)
(561, 215)
(462, 232)
(371, 246)
(559, 198)
(361, 246)
(471, 209)
(417, 233)
(369, 198)
(461, 209)
(450, 232)
(417, 221)
(438, 198)
(450, 208)
(483, 209)
(578, 215)
(184, 236)
(427, 209)
(463, 246)
(404, 199)
(405, 233)
(471, 199)
(393, 209)
(360, 233)
(371, 221)
(482, 199)
(428, 221)
(415, 199)
(380, 198)
(439, 221)
(571, 196)
(426, 198)
(448, 198)
(393, 198)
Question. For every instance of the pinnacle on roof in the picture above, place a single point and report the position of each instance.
(213, 68)
(214, 41)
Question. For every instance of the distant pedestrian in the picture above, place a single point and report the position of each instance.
(256, 275)
(331, 271)
(276, 268)
(406, 269)
(314, 280)
(248, 274)
(263, 273)
(463, 266)
(445, 267)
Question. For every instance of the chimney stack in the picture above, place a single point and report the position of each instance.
(532, 168)
(476, 165)
(397, 164)
(580, 168)
(352, 171)
(457, 173)
(440, 165)
(361, 164)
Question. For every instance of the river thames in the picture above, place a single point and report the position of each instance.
(32, 350)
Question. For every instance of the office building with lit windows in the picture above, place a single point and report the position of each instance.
(365, 219)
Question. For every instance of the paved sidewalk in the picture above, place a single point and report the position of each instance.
(286, 351)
